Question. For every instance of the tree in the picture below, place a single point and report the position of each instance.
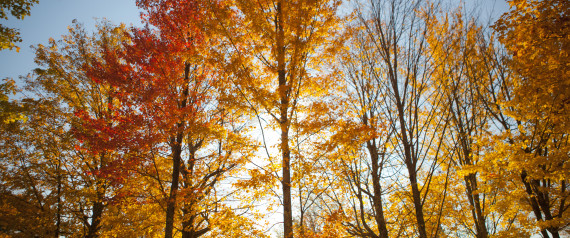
(52, 173)
(85, 107)
(18, 9)
(31, 173)
(467, 62)
(398, 31)
(157, 70)
(276, 46)
(363, 139)
(531, 148)
(165, 77)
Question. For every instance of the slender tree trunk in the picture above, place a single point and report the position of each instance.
(284, 124)
(187, 229)
(194, 234)
(189, 214)
(411, 166)
(187, 223)
(171, 203)
(544, 203)
(58, 218)
(471, 184)
(377, 198)
(287, 211)
(466, 158)
(98, 206)
(533, 203)
(176, 149)
(409, 160)
(477, 211)
(417, 202)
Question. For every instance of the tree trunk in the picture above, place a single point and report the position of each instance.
(189, 231)
(189, 215)
(533, 203)
(417, 201)
(171, 203)
(95, 220)
(477, 211)
(287, 211)
(377, 198)
(176, 148)
(408, 160)
(98, 206)
(466, 158)
(58, 214)
(284, 124)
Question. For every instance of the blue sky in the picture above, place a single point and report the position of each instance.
(50, 18)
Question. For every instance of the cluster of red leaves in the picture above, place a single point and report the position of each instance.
(112, 133)
(149, 77)
(116, 140)
(177, 21)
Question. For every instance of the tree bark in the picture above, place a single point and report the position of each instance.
(189, 214)
(533, 203)
(58, 214)
(409, 160)
(284, 124)
(95, 220)
(98, 206)
(171, 203)
(477, 211)
(176, 149)
(377, 198)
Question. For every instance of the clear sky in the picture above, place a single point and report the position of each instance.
(50, 18)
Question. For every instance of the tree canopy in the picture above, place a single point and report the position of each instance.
(274, 118)
(18, 9)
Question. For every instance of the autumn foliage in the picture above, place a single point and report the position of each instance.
(274, 118)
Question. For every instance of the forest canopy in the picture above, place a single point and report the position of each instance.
(292, 118)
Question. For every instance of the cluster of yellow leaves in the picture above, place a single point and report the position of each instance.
(9, 110)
